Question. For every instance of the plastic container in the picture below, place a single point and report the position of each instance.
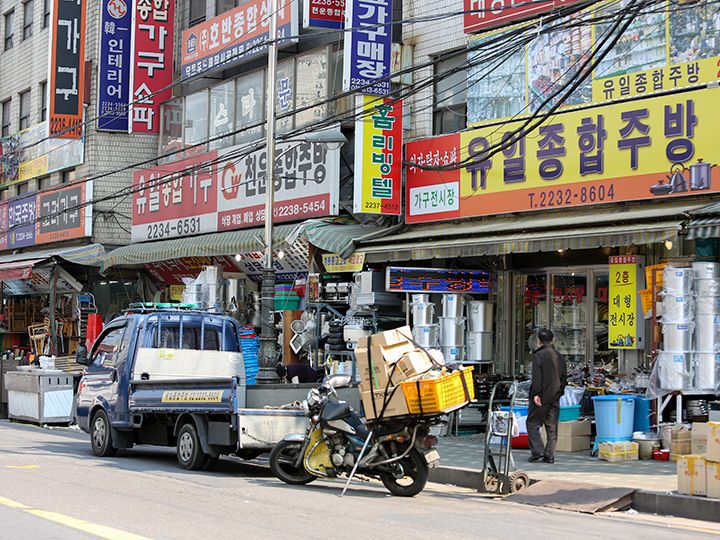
(437, 395)
(520, 442)
(289, 302)
(643, 409)
(614, 417)
(569, 413)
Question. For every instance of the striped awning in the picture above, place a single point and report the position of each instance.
(705, 222)
(341, 238)
(88, 255)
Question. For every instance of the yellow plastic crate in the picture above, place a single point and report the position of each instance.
(437, 395)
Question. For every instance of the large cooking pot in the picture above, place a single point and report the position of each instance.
(700, 175)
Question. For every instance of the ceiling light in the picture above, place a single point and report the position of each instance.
(668, 244)
(280, 254)
(238, 257)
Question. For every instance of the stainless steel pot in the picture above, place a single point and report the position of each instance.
(674, 370)
(707, 370)
(677, 308)
(707, 332)
(479, 346)
(700, 175)
(453, 305)
(678, 280)
(453, 354)
(423, 313)
(480, 316)
(426, 336)
(452, 331)
(707, 287)
(677, 337)
(707, 305)
(706, 270)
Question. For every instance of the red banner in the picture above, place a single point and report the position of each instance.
(173, 270)
(152, 62)
(485, 14)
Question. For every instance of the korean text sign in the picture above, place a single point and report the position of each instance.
(647, 149)
(152, 62)
(335, 263)
(116, 30)
(378, 156)
(366, 60)
(67, 68)
(324, 14)
(235, 36)
(485, 14)
(22, 215)
(436, 280)
(624, 330)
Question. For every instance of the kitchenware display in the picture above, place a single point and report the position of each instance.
(423, 313)
(426, 336)
(677, 280)
(480, 316)
(661, 188)
(707, 305)
(453, 305)
(479, 346)
(707, 287)
(706, 270)
(453, 354)
(707, 370)
(677, 178)
(677, 308)
(677, 337)
(452, 331)
(707, 332)
(674, 370)
(700, 175)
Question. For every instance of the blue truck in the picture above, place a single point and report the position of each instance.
(176, 377)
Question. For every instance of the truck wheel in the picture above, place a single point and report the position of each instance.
(189, 452)
(101, 435)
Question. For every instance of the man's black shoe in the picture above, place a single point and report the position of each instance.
(533, 459)
(548, 460)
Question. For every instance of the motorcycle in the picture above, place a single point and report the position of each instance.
(397, 451)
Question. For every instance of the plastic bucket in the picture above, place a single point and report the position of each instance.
(643, 410)
(614, 417)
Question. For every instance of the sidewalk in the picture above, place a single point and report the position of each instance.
(466, 452)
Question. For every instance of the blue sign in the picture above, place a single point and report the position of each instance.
(367, 47)
(22, 219)
(114, 72)
(437, 280)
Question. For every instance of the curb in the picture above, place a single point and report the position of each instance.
(646, 502)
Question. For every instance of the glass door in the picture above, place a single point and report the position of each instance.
(602, 355)
(569, 316)
(531, 314)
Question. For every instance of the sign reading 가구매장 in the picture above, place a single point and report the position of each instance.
(645, 149)
(625, 320)
(366, 54)
(116, 34)
(378, 156)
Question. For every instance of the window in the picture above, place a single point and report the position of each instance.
(250, 106)
(106, 352)
(450, 99)
(224, 5)
(197, 11)
(5, 128)
(9, 30)
(4, 195)
(66, 176)
(25, 110)
(46, 13)
(43, 101)
(45, 183)
(192, 337)
(222, 113)
(23, 188)
(196, 118)
(28, 14)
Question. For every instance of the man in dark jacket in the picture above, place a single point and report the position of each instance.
(549, 377)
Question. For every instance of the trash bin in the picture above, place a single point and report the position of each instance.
(614, 418)
(643, 410)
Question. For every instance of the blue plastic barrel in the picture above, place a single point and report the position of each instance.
(614, 417)
(643, 410)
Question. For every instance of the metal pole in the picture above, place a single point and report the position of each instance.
(267, 352)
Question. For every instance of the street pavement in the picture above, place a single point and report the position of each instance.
(51, 486)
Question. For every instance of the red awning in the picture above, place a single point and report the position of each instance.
(17, 270)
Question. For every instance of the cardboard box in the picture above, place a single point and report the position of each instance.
(713, 441)
(712, 479)
(692, 475)
(387, 338)
(618, 451)
(573, 444)
(414, 363)
(396, 405)
(680, 433)
(373, 371)
(574, 428)
(393, 353)
(680, 448)
(699, 438)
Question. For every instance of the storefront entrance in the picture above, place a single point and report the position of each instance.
(573, 303)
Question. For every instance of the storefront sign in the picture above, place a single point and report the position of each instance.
(648, 149)
(336, 263)
(436, 280)
(116, 28)
(378, 156)
(324, 14)
(67, 68)
(184, 198)
(152, 62)
(293, 264)
(21, 222)
(30, 153)
(660, 52)
(235, 36)
(367, 48)
(174, 270)
(624, 330)
(3, 225)
(485, 14)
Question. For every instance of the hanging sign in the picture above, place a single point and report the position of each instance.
(67, 68)
(625, 327)
(152, 62)
(366, 57)
(336, 263)
(436, 280)
(22, 214)
(324, 14)
(378, 156)
(114, 65)
(485, 14)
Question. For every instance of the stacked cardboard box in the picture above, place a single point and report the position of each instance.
(573, 436)
(699, 473)
(618, 451)
(680, 442)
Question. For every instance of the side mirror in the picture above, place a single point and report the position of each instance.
(81, 355)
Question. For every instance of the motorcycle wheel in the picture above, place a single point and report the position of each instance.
(409, 477)
(282, 463)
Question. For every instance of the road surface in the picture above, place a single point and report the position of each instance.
(51, 486)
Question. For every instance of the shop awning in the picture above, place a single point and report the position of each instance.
(705, 222)
(529, 234)
(10, 271)
(341, 238)
(89, 255)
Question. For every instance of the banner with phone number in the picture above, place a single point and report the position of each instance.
(644, 149)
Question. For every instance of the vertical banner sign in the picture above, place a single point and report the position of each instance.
(367, 47)
(378, 156)
(21, 222)
(3, 225)
(67, 68)
(152, 62)
(625, 328)
(324, 14)
(114, 65)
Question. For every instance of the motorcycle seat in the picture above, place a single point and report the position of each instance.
(334, 410)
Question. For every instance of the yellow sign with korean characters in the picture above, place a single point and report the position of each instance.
(336, 263)
(625, 321)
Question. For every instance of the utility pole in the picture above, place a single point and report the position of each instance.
(267, 353)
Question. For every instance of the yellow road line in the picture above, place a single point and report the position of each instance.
(22, 466)
(101, 531)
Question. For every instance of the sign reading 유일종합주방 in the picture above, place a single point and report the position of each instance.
(236, 36)
(324, 14)
(378, 156)
(625, 327)
(366, 56)
(67, 69)
(661, 147)
(152, 62)
(116, 32)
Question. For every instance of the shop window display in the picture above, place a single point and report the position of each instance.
(570, 316)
